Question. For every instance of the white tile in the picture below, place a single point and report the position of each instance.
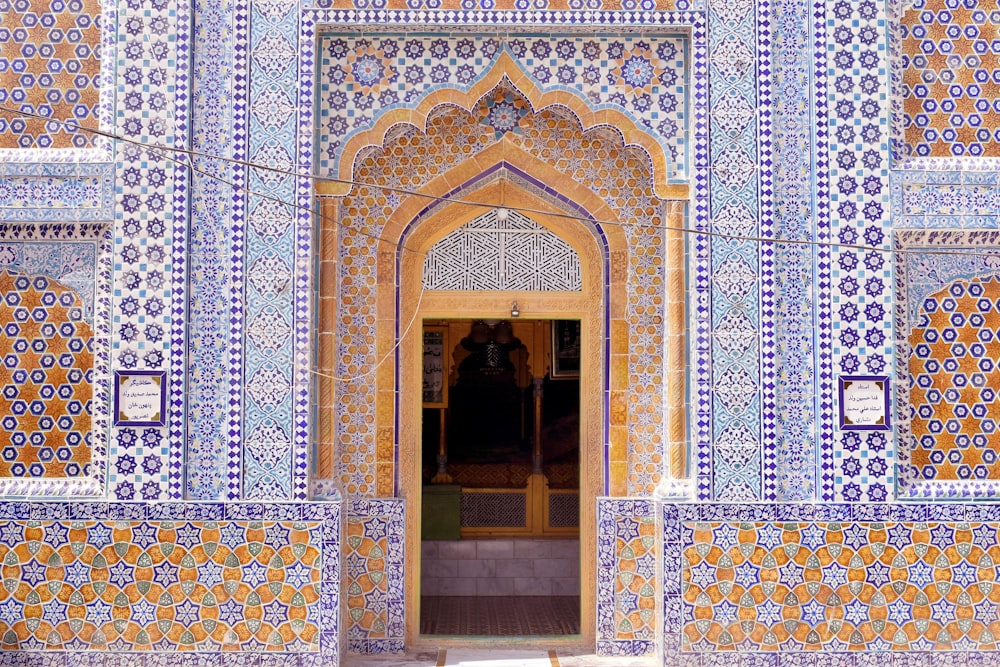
(532, 586)
(515, 567)
(495, 586)
(495, 549)
(476, 568)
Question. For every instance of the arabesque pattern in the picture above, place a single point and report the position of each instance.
(642, 75)
(514, 253)
(619, 175)
(627, 577)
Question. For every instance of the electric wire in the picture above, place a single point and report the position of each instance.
(190, 154)
(486, 205)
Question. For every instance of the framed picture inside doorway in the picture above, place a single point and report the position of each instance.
(435, 364)
(565, 349)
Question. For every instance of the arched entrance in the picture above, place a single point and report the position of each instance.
(582, 181)
(589, 306)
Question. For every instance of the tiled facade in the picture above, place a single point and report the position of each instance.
(951, 56)
(782, 533)
(53, 70)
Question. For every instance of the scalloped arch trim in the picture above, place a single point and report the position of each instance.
(503, 69)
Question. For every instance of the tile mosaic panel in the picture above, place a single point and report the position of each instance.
(56, 192)
(47, 377)
(488, 6)
(824, 381)
(213, 395)
(794, 460)
(669, 519)
(151, 238)
(234, 577)
(160, 585)
(857, 467)
(627, 595)
(697, 159)
(644, 314)
(727, 308)
(832, 586)
(502, 252)
(953, 367)
(536, 134)
(51, 67)
(373, 576)
(935, 366)
(276, 265)
(55, 281)
(642, 75)
(945, 200)
(950, 71)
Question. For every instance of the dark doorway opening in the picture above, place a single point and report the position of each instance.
(501, 442)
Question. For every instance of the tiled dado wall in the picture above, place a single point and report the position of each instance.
(373, 576)
(863, 584)
(161, 584)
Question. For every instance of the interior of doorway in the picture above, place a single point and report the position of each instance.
(500, 551)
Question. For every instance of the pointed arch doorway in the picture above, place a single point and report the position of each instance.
(442, 164)
(588, 305)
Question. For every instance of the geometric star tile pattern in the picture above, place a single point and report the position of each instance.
(863, 586)
(951, 78)
(373, 563)
(521, 5)
(955, 372)
(627, 581)
(159, 585)
(46, 379)
(51, 67)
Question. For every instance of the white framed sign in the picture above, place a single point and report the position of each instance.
(140, 398)
(864, 402)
